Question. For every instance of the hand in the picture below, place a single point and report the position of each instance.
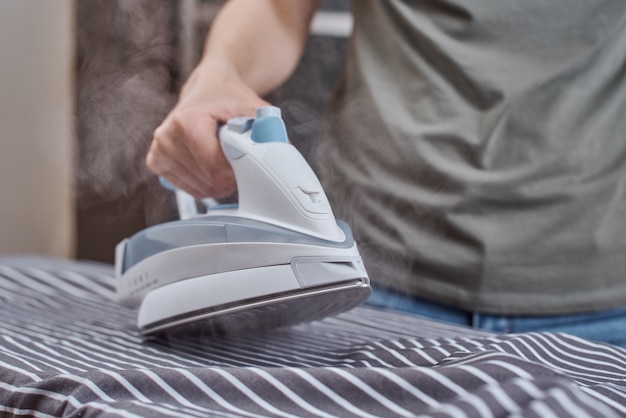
(185, 149)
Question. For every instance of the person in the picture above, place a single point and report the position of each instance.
(475, 147)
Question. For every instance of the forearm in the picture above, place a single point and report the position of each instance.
(253, 46)
(261, 40)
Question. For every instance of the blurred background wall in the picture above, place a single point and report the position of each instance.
(36, 127)
(133, 57)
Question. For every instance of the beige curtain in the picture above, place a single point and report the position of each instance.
(36, 169)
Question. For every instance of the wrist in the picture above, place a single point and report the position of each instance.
(216, 64)
(208, 70)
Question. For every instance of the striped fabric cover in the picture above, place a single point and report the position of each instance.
(68, 349)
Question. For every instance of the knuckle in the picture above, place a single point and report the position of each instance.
(151, 162)
(154, 159)
(160, 132)
(172, 128)
(179, 121)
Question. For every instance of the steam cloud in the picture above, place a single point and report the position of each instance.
(125, 86)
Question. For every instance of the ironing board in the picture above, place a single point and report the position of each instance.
(68, 349)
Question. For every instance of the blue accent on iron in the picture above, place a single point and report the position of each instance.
(268, 126)
(166, 184)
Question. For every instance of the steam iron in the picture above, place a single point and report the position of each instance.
(277, 258)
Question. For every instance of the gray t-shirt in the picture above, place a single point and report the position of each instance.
(478, 150)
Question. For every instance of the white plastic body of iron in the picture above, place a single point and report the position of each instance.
(280, 253)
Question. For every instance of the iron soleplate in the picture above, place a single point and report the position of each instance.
(274, 311)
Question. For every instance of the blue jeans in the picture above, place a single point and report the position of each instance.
(606, 326)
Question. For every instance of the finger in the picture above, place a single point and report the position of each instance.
(182, 182)
(170, 148)
(170, 141)
(165, 159)
(184, 176)
(217, 181)
(206, 151)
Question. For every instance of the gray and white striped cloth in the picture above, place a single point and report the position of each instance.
(68, 349)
